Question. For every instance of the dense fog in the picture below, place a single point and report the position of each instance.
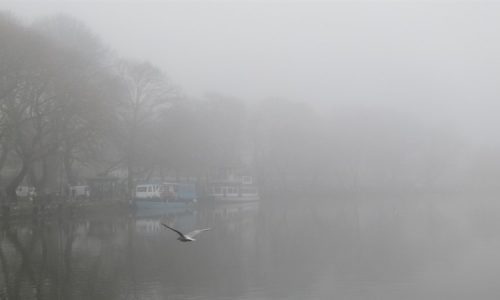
(366, 130)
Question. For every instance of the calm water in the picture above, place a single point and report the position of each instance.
(389, 248)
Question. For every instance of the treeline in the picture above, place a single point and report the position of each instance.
(67, 102)
(71, 108)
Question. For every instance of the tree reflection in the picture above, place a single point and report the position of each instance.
(294, 249)
(36, 258)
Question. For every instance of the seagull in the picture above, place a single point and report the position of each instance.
(186, 237)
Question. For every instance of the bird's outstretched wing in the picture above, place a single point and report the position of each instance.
(177, 231)
(196, 232)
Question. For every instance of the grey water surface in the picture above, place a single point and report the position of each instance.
(354, 248)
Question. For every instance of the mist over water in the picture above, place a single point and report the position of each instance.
(365, 248)
(336, 150)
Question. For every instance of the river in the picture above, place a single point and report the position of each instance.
(341, 248)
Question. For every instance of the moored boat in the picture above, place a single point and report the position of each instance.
(235, 189)
(166, 195)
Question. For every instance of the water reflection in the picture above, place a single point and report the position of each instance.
(350, 249)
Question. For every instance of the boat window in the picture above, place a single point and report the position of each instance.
(150, 189)
(141, 189)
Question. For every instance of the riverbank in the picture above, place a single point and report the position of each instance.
(27, 209)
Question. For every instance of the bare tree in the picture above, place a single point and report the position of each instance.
(28, 108)
(52, 100)
(146, 93)
(83, 88)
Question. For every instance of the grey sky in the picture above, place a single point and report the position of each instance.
(439, 58)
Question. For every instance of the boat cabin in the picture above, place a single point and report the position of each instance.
(147, 191)
(168, 191)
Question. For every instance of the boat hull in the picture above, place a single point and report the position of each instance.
(154, 204)
(242, 198)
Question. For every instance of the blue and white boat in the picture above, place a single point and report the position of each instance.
(168, 195)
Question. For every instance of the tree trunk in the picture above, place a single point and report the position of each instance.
(11, 188)
(3, 156)
(39, 182)
(130, 180)
(3, 159)
(70, 178)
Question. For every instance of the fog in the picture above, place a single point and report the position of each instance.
(429, 56)
(334, 149)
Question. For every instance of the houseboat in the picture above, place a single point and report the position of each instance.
(164, 195)
(234, 188)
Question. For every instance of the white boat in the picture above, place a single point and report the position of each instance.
(234, 192)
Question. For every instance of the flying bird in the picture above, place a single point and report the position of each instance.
(186, 237)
